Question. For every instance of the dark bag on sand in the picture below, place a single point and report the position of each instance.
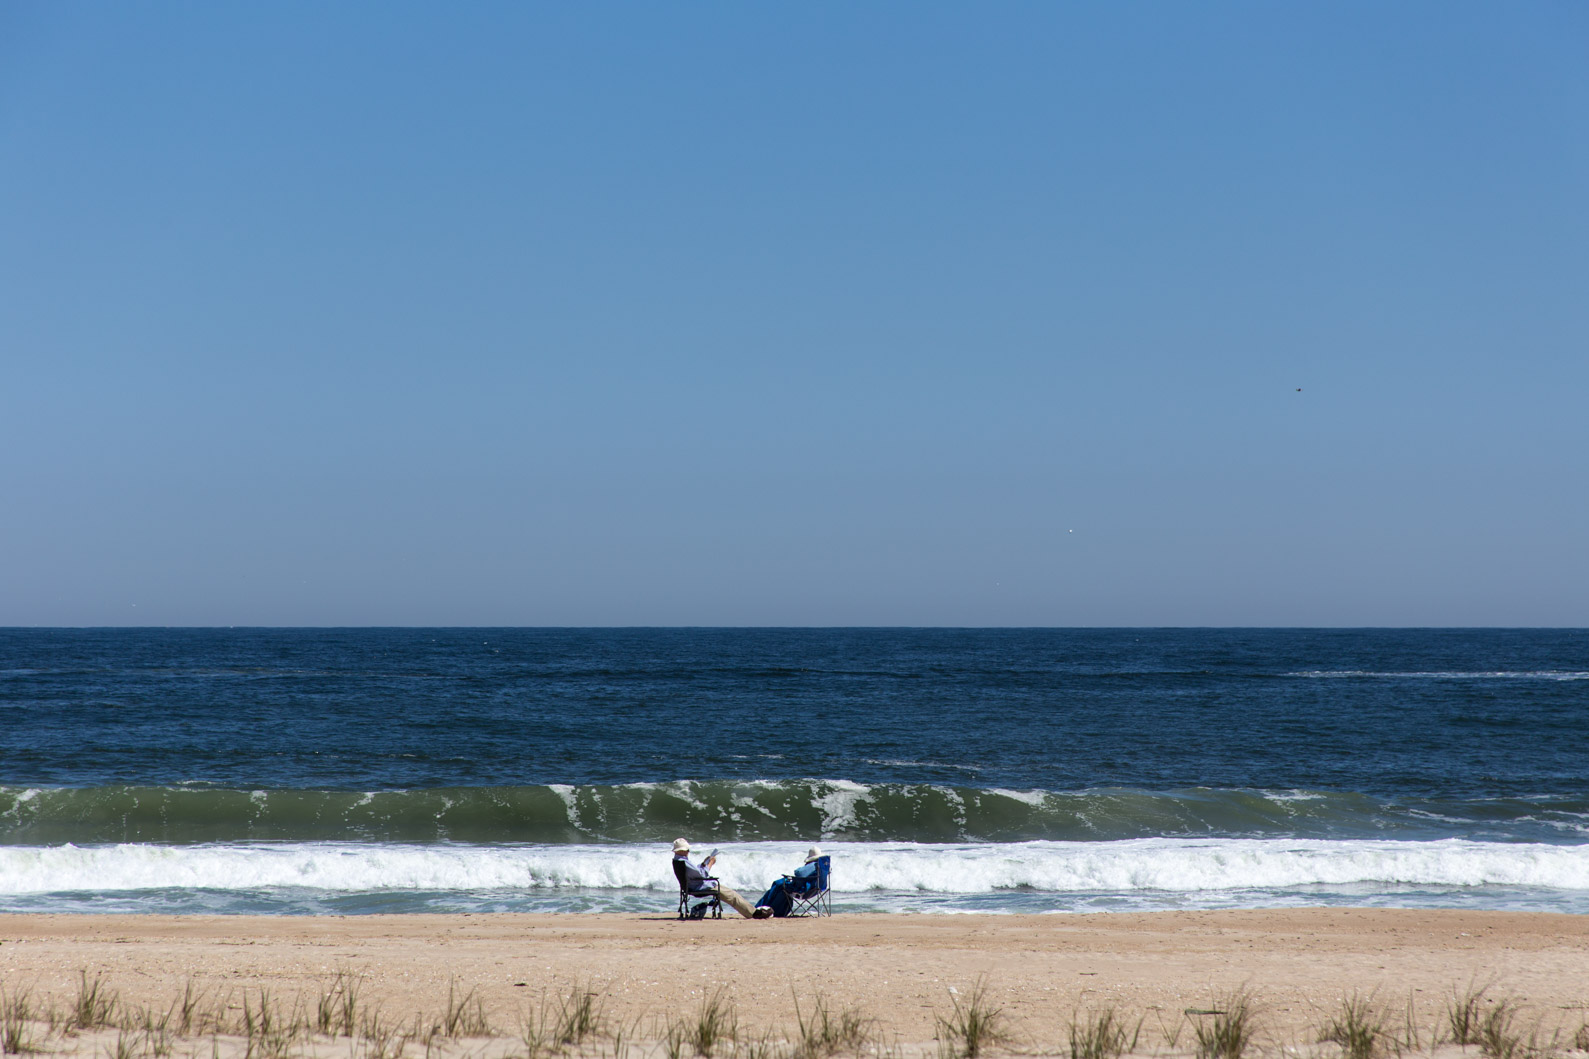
(699, 911)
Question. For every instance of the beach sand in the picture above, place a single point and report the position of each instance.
(900, 969)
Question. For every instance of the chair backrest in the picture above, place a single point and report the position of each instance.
(824, 872)
(682, 873)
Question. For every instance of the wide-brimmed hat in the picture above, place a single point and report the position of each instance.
(681, 845)
(812, 854)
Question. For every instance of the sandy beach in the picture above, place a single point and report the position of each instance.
(904, 971)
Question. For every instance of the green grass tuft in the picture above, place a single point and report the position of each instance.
(16, 1022)
(1102, 1034)
(464, 1016)
(1499, 1035)
(269, 1030)
(1359, 1028)
(378, 1038)
(973, 1027)
(126, 1046)
(95, 1005)
(337, 1007)
(1465, 1014)
(828, 1031)
(577, 1019)
(186, 1009)
(579, 1015)
(716, 1024)
(1226, 1032)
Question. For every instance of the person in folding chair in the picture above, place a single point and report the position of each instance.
(694, 882)
(803, 893)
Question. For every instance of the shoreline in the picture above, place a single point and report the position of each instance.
(1162, 874)
(1041, 969)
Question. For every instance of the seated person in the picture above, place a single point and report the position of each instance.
(700, 884)
(779, 898)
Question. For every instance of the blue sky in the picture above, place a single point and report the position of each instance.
(830, 314)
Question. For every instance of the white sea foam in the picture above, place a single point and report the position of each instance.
(1498, 674)
(1282, 797)
(906, 764)
(565, 794)
(1123, 867)
(1032, 798)
(838, 805)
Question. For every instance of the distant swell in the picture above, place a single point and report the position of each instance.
(726, 810)
(1499, 674)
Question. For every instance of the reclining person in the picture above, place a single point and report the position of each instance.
(779, 898)
(699, 884)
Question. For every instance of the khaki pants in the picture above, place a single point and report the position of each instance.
(736, 902)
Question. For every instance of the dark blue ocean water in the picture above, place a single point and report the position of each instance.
(537, 759)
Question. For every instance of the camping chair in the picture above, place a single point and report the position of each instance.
(816, 900)
(710, 901)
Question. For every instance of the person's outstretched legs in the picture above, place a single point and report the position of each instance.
(738, 903)
(777, 899)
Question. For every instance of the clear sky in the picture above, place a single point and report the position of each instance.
(804, 314)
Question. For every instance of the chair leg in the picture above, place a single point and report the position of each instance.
(713, 907)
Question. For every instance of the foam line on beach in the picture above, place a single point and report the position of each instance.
(1122, 867)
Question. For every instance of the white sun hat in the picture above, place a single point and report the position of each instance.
(812, 854)
(681, 845)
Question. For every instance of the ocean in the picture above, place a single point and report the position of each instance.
(347, 771)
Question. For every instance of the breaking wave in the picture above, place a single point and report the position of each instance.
(748, 811)
(1119, 867)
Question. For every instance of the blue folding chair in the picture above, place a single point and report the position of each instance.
(815, 899)
(710, 902)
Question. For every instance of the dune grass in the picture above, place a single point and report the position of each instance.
(1501, 1037)
(95, 1005)
(1102, 1034)
(1358, 1026)
(715, 1025)
(337, 1007)
(269, 1028)
(1226, 1030)
(16, 1022)
(464, 1014)
(829, 1031)
(568, 1022)
(974, 1027)
(1498, 1027)
(1465, 1014)
(259, 1023)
